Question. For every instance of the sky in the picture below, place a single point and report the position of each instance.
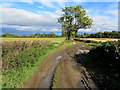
(40, 16)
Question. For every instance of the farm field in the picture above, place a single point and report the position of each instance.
(99, 39)
(56, 39)
(31, 39)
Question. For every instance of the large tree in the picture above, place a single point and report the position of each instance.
(73, 19)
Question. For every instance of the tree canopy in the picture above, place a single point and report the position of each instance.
(73, 19)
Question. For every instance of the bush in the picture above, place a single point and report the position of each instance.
(12, 49)
(105, 61)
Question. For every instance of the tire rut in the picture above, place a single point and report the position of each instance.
(71, 74)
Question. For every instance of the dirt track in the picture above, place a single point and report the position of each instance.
(70, 75)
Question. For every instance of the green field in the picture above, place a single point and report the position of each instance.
(100, 39)
(31, 39)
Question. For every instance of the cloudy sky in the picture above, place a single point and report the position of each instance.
(29, 17)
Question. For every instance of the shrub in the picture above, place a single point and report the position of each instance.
(105, 61)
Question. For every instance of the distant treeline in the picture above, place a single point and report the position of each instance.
(37, 35)
(113, 34)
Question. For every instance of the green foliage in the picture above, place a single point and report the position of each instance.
(11, 49)
(6, 35)
(105, 61)
(113, 34)
(20, 66)
(36, 35)
(74, 18)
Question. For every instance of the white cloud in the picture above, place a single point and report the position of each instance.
(55, 29)
(32, 28)
(20, 28)
(55, 14)
(114, 12)
(100, 19)
(3, 5)
(102, 23)
(41, 7)
(23, 20)
(61, 4)
(50, 3)
(47, 4)
(23, 17)
(106, 27)
(58, 12)
(26, 28)
(85, 30)
(28, 1)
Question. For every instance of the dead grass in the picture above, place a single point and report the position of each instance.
(100, 39)
(31, 39)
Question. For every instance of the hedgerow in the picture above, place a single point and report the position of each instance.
(17, 68)
(105, 62)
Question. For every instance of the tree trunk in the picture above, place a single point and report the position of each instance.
(69, 35)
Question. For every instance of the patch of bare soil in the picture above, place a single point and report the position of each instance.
(70, 75)
(73, 75)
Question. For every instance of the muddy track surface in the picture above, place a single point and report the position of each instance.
(70, 75)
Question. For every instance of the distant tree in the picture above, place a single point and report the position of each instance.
(86, 35)
(37, 34)
(44, 35)
(99, 35)
(6, 34)
(52, 34)
(73, 19)
(32, 36)
(92, 35)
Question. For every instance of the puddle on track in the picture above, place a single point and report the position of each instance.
(83, 51)
(70, 59)
(46, 83)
